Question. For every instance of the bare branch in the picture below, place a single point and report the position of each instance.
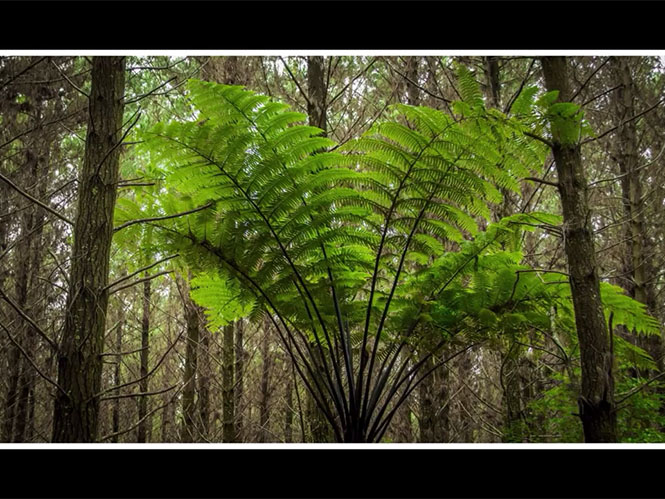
(35, 200)
(139, 281)
(27, 318)
(639, 388)
(150, 373)
(542, 181)
(614, 128)
(147, 94)
(540, 139)
(304, 94)
(64, 75)
(147, 267)
(32, 362)
(588, 79)
(164, 217)
(140, 394)
(127, 430)
(30, 66)
(128, 352)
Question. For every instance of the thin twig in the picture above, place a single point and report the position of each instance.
(164, 217)
(139, 281)
(32, 362)
(542, 181)
(35, 200)
(540, 139)
(147, 94)
(150, 373)
(143, 269)
(27, 318)
(304, 94)
(638, 115)
(76, 87)
(139, 394)
(30, 66)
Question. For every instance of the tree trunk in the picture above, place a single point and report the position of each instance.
(266, 362)
(637, 265)
(34, 291)
(316, 111)
(316, 90)
(115, 413)
(434, 406)
(512, 396)
(203, 401)
(228, 397)
(288, 413)
(144, 425)
(596, 401)
(238, 378)
(493, 90)
(79, 363)
(28, 256)
(188, 433)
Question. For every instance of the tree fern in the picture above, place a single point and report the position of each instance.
(357, 251)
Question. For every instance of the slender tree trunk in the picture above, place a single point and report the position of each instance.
(493, 88)
(169, 405)
(316, 90)
(596, 402)
(637, 265)
(115, 414)
(188, 433)
(288, 413)
(11, 395)
(203, 401)
(28, 256)
(434, 407)
(79, 363)
(35, 291)
(16, 364)
(145, 425)
(266, 362)
(238, 378)
(512, 396)
(316, 111)
(228, 397)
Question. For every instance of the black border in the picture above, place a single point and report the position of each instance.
(328, 25)
(331, 473)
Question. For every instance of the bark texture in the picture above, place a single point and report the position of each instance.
(596, 400)
(228, 397)
(79, 362)
(144, 425)
(188, 433)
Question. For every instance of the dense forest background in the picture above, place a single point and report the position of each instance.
(411, 249)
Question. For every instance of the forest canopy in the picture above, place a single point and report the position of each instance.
(331, 249)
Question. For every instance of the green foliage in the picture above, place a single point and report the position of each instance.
(222, 297)
(377, 237)
(641, 416)
(565, 119)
